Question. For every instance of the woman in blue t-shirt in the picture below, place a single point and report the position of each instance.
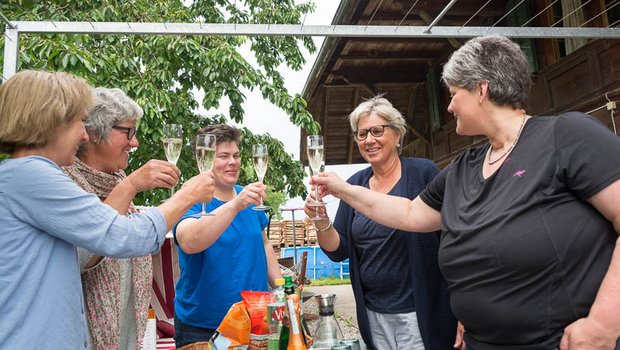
(529, 220)
(221, 255)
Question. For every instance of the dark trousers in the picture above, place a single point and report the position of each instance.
(185, 334)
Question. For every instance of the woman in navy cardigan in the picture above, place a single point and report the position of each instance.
(401, 298)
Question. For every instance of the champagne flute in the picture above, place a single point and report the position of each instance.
(205, 154)
(260, 158)
(173, 142)
(314, 147)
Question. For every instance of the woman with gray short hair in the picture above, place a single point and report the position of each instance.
(529, 220)
(117, 291)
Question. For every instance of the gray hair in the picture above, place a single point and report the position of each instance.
(496, 60)
(383, 108)
(112, 106)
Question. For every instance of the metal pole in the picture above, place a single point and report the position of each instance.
(292, 210)
(139, 28)
(6, 20)
(11, 49)
(294, 239)
(441, 14)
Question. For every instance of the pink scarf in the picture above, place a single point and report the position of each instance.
(101, 284)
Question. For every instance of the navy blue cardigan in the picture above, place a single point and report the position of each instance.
(436, 322)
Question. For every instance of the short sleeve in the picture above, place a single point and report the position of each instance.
(588, 154)
(433, 194)
(263, 219)
(191, 213)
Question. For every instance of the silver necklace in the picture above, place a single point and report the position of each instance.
(491, 162)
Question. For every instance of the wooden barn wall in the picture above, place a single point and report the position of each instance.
(578, 82)
(332, 104)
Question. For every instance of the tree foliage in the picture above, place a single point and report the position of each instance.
(163, 72)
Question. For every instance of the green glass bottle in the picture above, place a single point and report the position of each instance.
(289, 288)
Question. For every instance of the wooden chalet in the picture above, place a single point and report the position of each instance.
(569, 73)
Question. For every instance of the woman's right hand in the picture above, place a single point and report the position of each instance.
(154, 174)
(329, 183)
(200, 187)
(251, 194)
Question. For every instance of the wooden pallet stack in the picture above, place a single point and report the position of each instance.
(275, 235)
(287, 232)
(310, 232)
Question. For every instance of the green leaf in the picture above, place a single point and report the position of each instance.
(161, 72)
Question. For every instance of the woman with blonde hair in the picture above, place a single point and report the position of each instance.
(44, 215)
(400, 296)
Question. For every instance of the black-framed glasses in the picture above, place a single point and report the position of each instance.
(375, 131)
(131, 132)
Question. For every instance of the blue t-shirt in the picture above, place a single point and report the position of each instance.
(212, 280)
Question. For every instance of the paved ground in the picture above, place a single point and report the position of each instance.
(345, 303)
(345, 309)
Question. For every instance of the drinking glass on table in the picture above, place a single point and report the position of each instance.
(314, 147)
(173, 142)
(260, 158)
(205, 154)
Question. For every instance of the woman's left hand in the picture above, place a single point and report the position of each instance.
(586, 334)
(459, 342)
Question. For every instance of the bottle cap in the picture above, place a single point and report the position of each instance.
(288, 280)
(279, 281)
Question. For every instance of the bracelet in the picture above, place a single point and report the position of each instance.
(329, 225)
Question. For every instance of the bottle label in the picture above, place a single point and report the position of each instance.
(293, 317)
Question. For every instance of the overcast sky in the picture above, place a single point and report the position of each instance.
(263, 117)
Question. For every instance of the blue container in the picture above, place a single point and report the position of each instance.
(318, 264)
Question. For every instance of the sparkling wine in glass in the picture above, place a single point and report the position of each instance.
(260, 158)
(173, 142)
(205, 154)
(314, 147)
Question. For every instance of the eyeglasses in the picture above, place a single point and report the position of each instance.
(375, 131)
(131, 132)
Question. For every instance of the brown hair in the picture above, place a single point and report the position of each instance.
(222, 132)
(33, 104)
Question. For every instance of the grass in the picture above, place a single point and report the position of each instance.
(329, 281)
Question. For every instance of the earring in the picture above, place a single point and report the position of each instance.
(480, 101)
(397, 145)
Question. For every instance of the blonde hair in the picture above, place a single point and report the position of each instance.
(383, 108)
(33, 104)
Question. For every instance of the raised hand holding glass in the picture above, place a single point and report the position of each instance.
(173, 142)
(205, 154)
(260, 158)
(314, 147)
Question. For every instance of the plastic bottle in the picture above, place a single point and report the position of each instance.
(275, 312)
(278, 291)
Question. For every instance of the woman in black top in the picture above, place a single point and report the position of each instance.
(529, 220)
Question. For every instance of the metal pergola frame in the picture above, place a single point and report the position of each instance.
(15, 28)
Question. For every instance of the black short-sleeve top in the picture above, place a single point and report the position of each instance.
(523, 252)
